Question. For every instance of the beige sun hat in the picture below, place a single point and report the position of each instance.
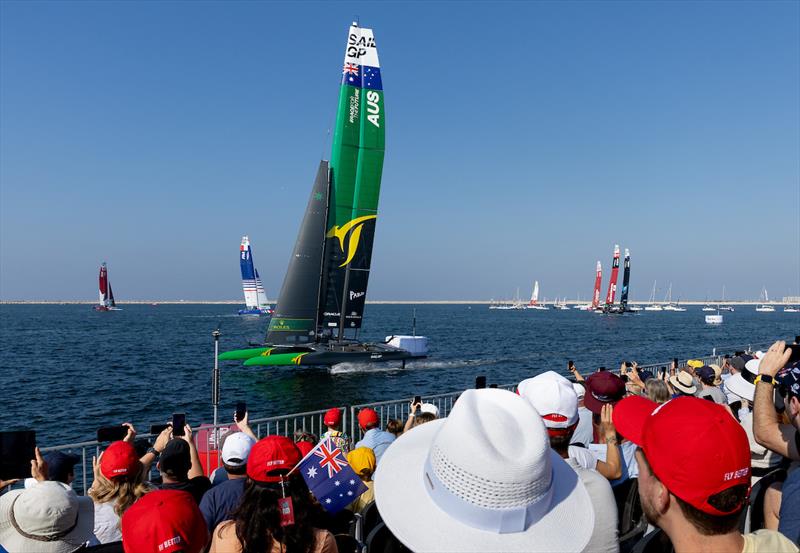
(483, 479)
(47, 517)
(717, 374)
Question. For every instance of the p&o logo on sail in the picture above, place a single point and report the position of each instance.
(354, 228)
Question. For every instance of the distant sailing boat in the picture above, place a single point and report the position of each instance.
(723, 307)
(107, 302)
(321, 303)
(672, 306)
(255, 298)
(622, 307)
(765, 307)
(653, 306)
(534, 303)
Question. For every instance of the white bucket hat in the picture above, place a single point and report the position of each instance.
(554, 399)
(236, 449)
(483, 479)
(47, 518)
(741, 383)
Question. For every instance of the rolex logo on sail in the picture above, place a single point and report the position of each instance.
(354, 229)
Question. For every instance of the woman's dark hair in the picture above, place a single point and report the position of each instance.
(258, 520)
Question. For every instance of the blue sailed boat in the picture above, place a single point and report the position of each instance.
(255, 298)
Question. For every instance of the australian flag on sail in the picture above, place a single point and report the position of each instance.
(362, 76)
(330, 478)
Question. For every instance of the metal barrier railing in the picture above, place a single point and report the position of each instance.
(285, 425)
(311, 421)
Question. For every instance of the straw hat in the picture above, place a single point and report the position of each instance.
(683, 382)
(47, 517)
(717, 374)
(483, 479)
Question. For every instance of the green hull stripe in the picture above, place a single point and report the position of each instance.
(239, 354)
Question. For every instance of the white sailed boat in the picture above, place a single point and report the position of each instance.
(722, 306)
(765, 307)
(672, 306)
(653, 306)
(534, 303)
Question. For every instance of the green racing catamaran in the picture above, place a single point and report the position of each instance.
(324, 291)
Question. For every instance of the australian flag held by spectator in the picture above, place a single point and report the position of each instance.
(330, 478)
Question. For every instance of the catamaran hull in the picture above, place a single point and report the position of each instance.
(322, 355)
(255, 312)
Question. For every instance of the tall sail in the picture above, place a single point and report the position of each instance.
(598, 279)
(535, 294)
(103, 284)
(261, 294)
(248, 273)
(626, 279)
(295, 319)
(111, 302)
(356, 166)
(612, 284)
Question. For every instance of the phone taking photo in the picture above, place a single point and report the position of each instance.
(241, 411)
(17, 448)
(111, 433)
(158, 428)
(417, 399)
(178, 422)
(480, 382)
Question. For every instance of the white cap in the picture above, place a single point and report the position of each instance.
(236, 449)
(554, 399)
(429, 408)
(550, 375)
(580, 389)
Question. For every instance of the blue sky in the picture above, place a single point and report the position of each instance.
(524, 140)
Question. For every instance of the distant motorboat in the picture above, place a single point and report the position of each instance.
(765, 307)
(791, 309)
(634, 308)
(708, 308)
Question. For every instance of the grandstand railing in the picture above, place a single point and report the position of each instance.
(310, 421)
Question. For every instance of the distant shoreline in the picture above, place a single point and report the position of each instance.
(371, 302)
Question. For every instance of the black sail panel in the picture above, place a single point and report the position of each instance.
(626, 278)
(295, 318)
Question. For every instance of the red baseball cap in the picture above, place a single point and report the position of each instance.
(163, 521)
(333, 417)
(367, 417)
(304, 447)
(271, 457)
(603, 387)
(119, 459)
(694, 447)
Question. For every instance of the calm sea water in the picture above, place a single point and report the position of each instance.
(68, 370)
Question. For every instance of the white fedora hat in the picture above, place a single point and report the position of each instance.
(742, 383)
(683, 381)
(484, 479)
(47, 518)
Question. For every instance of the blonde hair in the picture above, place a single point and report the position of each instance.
(123, 490)
(657, 390)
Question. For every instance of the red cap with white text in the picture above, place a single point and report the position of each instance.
(164, 521)
(693, 446)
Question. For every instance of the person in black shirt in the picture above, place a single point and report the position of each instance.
(179, 465)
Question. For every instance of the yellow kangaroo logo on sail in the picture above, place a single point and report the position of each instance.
(352, 244)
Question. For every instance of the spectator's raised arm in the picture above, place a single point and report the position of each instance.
(197, 468)
(611, 468)
(768, 431)
(244, 426)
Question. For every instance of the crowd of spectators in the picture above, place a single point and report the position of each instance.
(691, 458)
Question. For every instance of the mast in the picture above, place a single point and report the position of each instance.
(612, 284)
(598, 279)
(626, 278)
